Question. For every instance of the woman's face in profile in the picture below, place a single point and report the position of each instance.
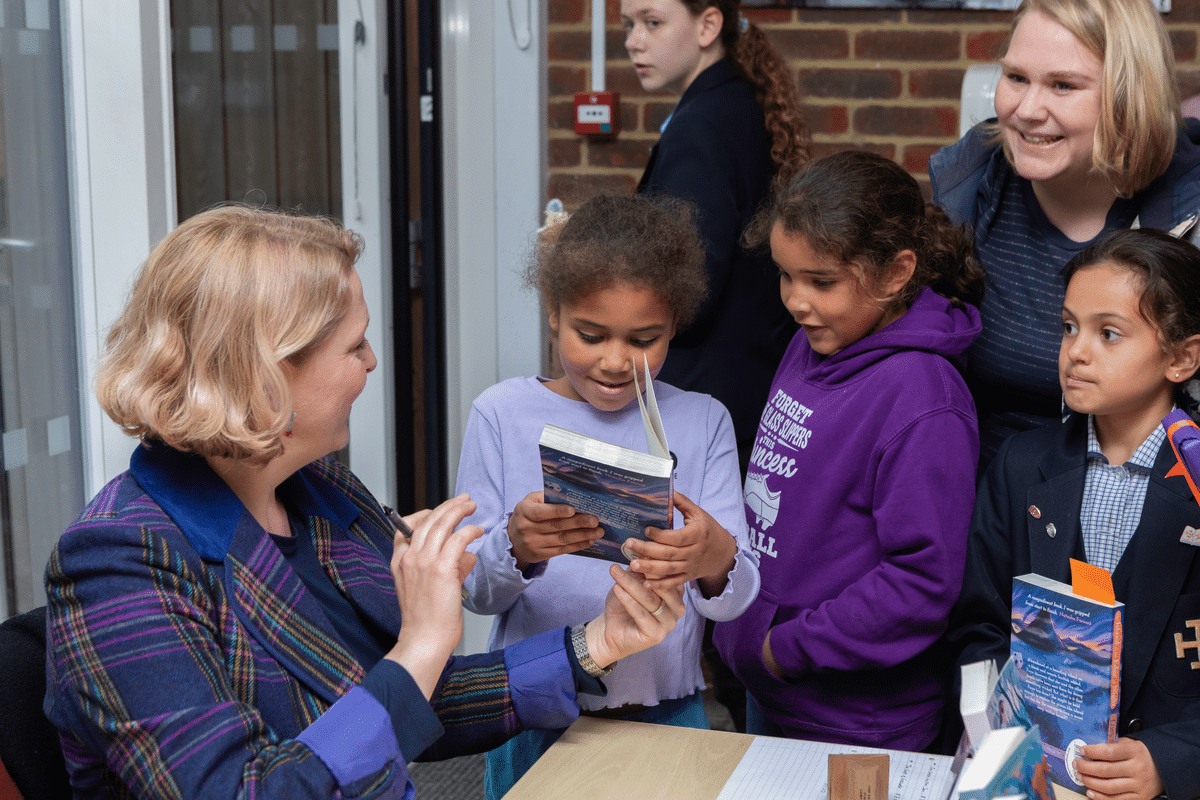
(663, 41)
(326, 386)
(1048, 101)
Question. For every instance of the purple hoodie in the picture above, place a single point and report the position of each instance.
(859, 497)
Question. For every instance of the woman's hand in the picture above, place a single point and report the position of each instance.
(429, 570)
(635, 617)
(1121, 771)
(701, 549)
(539, 530)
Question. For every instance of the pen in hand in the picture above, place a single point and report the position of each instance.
(398, 522)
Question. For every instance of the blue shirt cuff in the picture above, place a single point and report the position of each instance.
(413, 720)
(354, 738)
(541, 680)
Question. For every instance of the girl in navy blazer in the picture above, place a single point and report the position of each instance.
(1130, 347)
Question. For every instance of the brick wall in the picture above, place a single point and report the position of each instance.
(886, 80)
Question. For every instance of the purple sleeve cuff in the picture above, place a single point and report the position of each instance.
(354, 738)
(541, 681)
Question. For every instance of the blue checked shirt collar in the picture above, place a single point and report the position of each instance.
(1113, 495)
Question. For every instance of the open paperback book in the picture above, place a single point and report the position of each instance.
(628, 491)
(1007, 763)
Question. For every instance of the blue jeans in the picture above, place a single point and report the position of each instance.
(757, 721)
(508, 762)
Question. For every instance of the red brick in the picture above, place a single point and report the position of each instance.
(612, 10)
(826, 119)
(908, 45)
(654, 114)
(569, 46)
(1189, 83)
(1183, 11)
(986, 46)
(936, 83)
(614, 45)
(810, 43)
(907, 121)
(1184, 45)
(564, 152)
(567, 12)
(574, 190)
(629, 116)
(565, 81)
(822, 149)
(623, 153)
(846, 16)
(561, 116)
(767, 16)
(916, 157)
(943, 16)
(857, 83)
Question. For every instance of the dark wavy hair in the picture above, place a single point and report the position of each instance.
(643, 240)
(863, 209)
(764, 69)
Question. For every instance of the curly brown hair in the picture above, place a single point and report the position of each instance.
(643, 240)
(863, 209)
(757, 62)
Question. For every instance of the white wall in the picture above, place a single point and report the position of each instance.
(122, 163)
(366, 209)
(494, 130)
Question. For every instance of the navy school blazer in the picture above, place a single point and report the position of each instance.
(1027, 519)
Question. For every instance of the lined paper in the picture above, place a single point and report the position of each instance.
(790, 769)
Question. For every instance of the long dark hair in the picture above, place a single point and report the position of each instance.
(763, 68)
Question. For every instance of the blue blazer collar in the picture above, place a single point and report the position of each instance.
(175, 480)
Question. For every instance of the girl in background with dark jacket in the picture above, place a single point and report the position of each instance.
(737, 123)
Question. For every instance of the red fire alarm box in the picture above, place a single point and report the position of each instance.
(598, 113)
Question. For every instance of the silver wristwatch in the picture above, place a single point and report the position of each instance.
(579, 645)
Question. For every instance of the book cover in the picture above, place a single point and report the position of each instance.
(1064, 673)
(1008, 763)
(628, 491)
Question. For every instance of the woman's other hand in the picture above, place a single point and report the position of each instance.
(429, 570)
(701, 550)
(634, 618)
(539, 530)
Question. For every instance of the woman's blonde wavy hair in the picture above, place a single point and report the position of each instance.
(196, 358)
(1139, 95)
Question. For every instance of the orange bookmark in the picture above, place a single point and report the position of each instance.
(1092, 582)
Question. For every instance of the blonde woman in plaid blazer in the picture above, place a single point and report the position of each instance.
(224, 618)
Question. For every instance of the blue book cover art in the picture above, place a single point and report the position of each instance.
(1024, 772)
(1066, 656)
(627, 491)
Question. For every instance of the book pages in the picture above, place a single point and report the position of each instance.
(656, 435)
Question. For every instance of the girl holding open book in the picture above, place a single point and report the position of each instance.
(620, 276)
(862, 478)
(1095, 488)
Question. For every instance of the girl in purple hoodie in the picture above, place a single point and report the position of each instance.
(861, 481)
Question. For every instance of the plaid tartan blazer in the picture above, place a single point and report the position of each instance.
(186, 658)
